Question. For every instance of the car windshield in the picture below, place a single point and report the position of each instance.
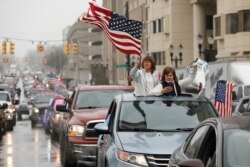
(4, 97)
(237, 147)
(163, 115)
(95, 99)
(43, 99)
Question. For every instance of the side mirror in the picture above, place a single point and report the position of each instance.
(4, 106)
(61, 108)
(191, 163)
(234, 96)
(102, 128)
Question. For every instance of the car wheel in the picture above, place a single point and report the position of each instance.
(67, 157)
(33, 124)
(106, 164)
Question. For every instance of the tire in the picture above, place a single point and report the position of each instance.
(67, 158)
(33, 124)
(10, 126)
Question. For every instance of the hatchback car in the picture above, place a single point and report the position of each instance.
(217, 142)
(144, 131)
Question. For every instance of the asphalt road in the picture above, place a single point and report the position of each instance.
(26, 147)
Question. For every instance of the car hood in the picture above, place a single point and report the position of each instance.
(42, 105)
(152, 142)
(84, 115)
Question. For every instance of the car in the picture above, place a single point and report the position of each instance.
(22, 109)
(144, 131)
(87, 106)
(51, 117)
(40, 102)
(10, 111)
(3, 120)
(217, 142)
(242, 107)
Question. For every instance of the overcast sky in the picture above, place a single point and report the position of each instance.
(38, 20)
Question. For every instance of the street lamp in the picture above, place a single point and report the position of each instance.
(210, 41)
(175, 59)
(200, 41)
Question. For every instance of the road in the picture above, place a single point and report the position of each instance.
(26, 147)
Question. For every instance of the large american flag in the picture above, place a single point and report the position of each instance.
(223, 97)
(125, 34)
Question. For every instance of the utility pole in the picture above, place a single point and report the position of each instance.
(128, 55)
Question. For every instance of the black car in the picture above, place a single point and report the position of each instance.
(40, 102)
(217, 142)
(22, 109)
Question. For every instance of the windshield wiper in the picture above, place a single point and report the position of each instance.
(184, 129)
(88, 107)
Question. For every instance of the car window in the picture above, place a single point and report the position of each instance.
(243, 106)
(4, 97)
(96, 98)
(163, 115)
(192, 148)
(43, 99)
(237, 147)
(207, 149)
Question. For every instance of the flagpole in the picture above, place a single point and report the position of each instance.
(128, 55)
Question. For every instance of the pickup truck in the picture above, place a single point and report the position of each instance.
(86, 107)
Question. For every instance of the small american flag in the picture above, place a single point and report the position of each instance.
(125, 34)
(223, 97)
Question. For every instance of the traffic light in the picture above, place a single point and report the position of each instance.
(74, 48)
(12, 48)
(66, 49)
(4, 47)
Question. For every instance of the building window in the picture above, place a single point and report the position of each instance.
(157, 25)
(232, 22)
(209, 22)
(217, 26)
(246, 20)
(159, 58)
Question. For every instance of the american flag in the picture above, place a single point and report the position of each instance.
(125, 34)
(223, 97)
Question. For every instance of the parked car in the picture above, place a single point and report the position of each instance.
(144, 131)
(87, 106)
(217, 142)
(51, 117)
(40, 102)
(242, 107)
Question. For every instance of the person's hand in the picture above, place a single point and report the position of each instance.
(139, 64)
(167, 89)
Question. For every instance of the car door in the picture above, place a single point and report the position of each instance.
(103, 140)
(202, 145)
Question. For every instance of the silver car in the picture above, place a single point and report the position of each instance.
(144, 131)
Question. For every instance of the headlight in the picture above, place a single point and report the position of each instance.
(47, 85)
(137, 159)
(36, 110)
(76, 130)
(16, 106)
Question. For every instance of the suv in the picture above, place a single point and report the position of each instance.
(10, 111)
(144, 131)
(87, 106)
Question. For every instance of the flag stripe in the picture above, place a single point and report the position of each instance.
(223, 97)
(126, 40)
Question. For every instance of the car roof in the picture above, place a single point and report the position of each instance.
(185, 97)
(105, 87)
(231, 122)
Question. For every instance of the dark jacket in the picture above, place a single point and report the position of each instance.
(172, 93)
